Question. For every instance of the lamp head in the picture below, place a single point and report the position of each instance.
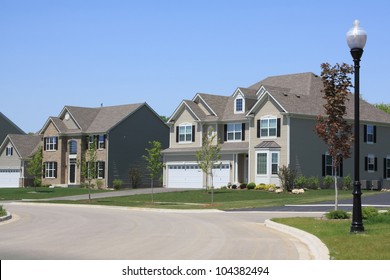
(356, 36)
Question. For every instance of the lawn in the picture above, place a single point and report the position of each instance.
(40, 193)
(373, 244)
(223, 199)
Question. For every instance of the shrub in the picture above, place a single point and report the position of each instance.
(287, 177)
(313, 183)
(328, 181)
(99, 183)
(2, 211)
(234, 187)
(347, 182)
(243, 186)
(337, 215)
(369, 212)
(301, 182)
(260, 187)
(135, 176)
(117, 184)
(251, 186)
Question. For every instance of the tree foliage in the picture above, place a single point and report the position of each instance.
(34, 167)
(88, 166)
(333, 128)
(384, 107)
(154, 162)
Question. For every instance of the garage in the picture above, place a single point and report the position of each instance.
(191, 176)
(9, 178)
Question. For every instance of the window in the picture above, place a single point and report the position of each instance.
(91, 142)
(268, 127)
(102, 142)
(9, 151)
(100, 169)
(386, 174)
(370, 134)
(234, 132)
(51, 143)
(50, 169)
(185, 133)
(275, 163)
(327, 166)
(261, 163)
(370, 163)
(239, 105)
(73, 147)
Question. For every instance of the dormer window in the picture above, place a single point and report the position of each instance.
(239, 105)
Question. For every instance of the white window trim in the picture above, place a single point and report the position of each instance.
(51, 143)
(239, 97)
(185, 141)
(9, 151)
(234, 132)
(100, 169)
(269, 154)
(268, 118)
(101, 142)
(338, 168)
(50, 168)
(371, 157)
(372, 134)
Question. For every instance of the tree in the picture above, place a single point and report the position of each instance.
(384, 107)
(207, 157)
(154, 162)
(34, 168)
(88, 167)
(334, 129)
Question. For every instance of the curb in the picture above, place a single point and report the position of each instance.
(6, 217)
(317, 248)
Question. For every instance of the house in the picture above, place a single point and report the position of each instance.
(15, 153)
(265, 126)
(120, 135)
(8, 127)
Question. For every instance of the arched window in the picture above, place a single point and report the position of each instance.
(73, 147)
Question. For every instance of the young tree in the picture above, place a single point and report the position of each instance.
(384, 107)
(34, 168)
(333, 128)
(88, 167)
(154, 162)
(207, 157)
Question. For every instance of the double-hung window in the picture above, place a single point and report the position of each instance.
(371, 163)
(234, 132)
(50, 169)
(370, 134)
(51, 143)
(262, 163)
(9, 151)
(100, 169)
(327, 166)
(268, 127)
(239, 105)
(387, 168)
(267, 163)
(102, 142)
(185, 133)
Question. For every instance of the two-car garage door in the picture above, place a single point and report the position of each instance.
(191, 176)
(9, 178)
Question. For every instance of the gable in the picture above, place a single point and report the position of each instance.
(8, 127)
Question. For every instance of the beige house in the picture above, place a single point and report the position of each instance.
(265, 126)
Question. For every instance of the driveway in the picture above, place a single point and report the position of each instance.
(117, 233)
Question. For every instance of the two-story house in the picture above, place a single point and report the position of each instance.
(266, 126)
(119, 134)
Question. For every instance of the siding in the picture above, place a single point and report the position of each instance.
(185, 117)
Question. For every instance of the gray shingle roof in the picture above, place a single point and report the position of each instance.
(26, 145)
(268, 145)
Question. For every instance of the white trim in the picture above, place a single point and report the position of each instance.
(198, 95)
(242, 98)
(178, 109)
(234, 132)
(261, 99)
(185, 125)
(47, 124)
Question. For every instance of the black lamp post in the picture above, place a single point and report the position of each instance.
(356, 39)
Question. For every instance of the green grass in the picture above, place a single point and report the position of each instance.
(223, 199)
(40, 193)
(373, 244)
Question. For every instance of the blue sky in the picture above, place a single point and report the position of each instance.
(88, 52)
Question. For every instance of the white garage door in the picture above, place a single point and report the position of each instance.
(9, 178)
(184, 176)
(221, 175)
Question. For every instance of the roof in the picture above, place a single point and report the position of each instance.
(268, 145)
(92, 120)
(7, 127)
(296, 94)
(25, 144)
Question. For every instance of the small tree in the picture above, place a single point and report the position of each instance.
(334, 129)
(207, 157)
(88, 167)
(287, 177)
(154, 162)
(34, 168)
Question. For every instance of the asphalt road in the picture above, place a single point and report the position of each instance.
(58, 232)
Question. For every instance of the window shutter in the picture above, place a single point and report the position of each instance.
(44, 170)
(225, 132)
(365, 133)
(44, 143)
(177, 134)
(258, 128)
(323, 166)
(374, 133)
(104, 169)
(384, 169)
(87, 143)
(104, 141)
(278, 128)
(243, 132)
(376, 164)
(365, 163)
(55, 169)
(56, 145)
(193, 133)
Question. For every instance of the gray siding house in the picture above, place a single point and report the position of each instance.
(15, 153)
(8, 127)
(120, 135)
(265, 126)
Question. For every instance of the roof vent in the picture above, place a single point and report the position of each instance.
(285, 94)
(297, 95)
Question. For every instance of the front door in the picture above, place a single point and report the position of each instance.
(72, 171)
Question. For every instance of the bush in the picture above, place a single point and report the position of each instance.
(369, 212)
(117, 184)
(234, 187)
(135, 176)
(99, 183)
(287, 177)
(337, 215)
(243, 186)
(251, 186)
(2, 211)
(328, 181)
(313, 183)
(347, 182)
(301, 182)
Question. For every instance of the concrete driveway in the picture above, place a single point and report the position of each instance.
(116, 233)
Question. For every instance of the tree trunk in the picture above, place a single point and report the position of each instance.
(151, 186)
(336, 201)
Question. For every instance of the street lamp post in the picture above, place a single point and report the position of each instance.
(356, 39)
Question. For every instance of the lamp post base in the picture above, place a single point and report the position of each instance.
(357, 219)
